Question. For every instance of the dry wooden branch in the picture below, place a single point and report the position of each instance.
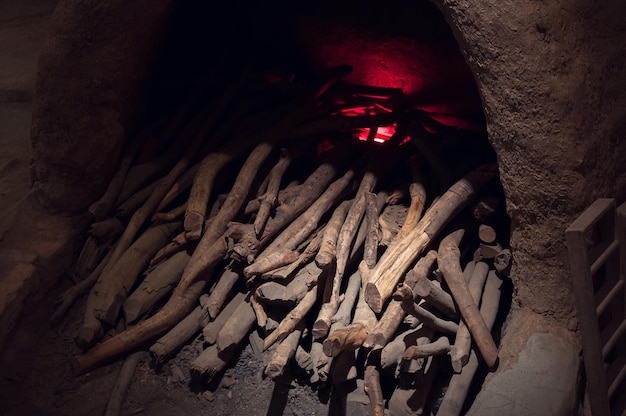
(116, 401)
(328, 247)
(370, 254)
(304, 258)
(412, 400)
(459, 385)
(236, 327)
(292, 319)
(418, 201)
(212, 328)
(391, 354)
(284, 352)
(374, 390)
(127, 208)
(155, 286)
(180, 186)
(426, 317)
(169, 343)
(439, 347)
(391, 220)
(344, 242)
(291, 293)
(394, 314)
(394, 263)
(448, 260)
(271, 261)
(459, 355)
(111, 290)
(222, 289)
(268, 199)
(306, 222)
(171, 215)
(177, 244)
(247, 248)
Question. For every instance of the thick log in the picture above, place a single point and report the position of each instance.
(223, 288)
(391, 354)
(177, 244)
(236, 327)
(396, 260)
(111, 290)
(174, 339)
(290, 294)
(433, 294)
(449, 265)
(212, 328)
(155, 286)
(459, 385)
(487, 234)
(394, 314)
(459, 355)
(209, 364)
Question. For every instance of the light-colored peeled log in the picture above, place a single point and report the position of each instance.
(346, 236)
(459, 355)
(486, 233)
(459, 385)
(352, 336)
(396, 260)
(450, 267)
(328, 248)
(111, 290)
(283, 353)
(169, 343)
(155, 286)
(236, 327)
(394, 314)
(306, 222)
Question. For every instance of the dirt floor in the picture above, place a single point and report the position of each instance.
(37, 380)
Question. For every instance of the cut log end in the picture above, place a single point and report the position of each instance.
(194, 222)
(320, 328)
(88, 336)
(373, 297)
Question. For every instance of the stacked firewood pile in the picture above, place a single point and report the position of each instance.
(280, 221)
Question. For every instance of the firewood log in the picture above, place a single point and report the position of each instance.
(370, 254)
(177, 244)
(289, 294)
(209, 364)
(394, 263)
(426, 317)
(486, 233)
(374, 390)
(433, 294)
(125, 210)
(236, 327)
(268, 199)
(459, 355)
(284, 352)
(212, 328)
(394, 313)
(448, 261)
(459, 385)
(304, 258)
(174, 339)
(439, 347)
(328, 247)
(111, 290)
(224, 286)
(90, 257)
(106, 230)
(154, 287)
(391, 221)
(116, 401)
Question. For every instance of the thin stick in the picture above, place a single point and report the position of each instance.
(284, 352)
(328, 248)
(116, 401)
(268, 199)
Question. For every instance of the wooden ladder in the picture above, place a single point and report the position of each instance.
(596, 245)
